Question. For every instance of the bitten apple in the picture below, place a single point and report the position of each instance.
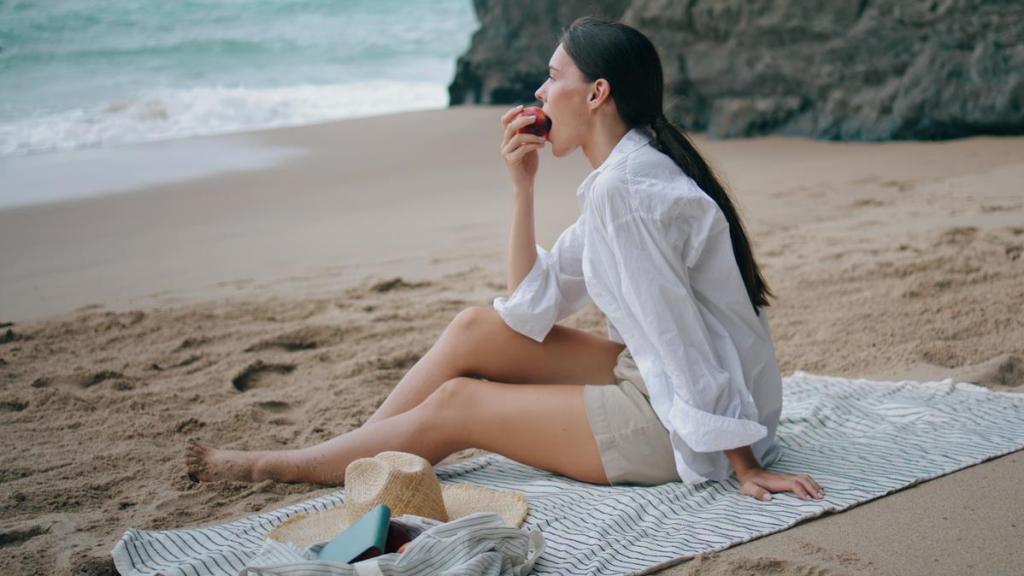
(540, 127)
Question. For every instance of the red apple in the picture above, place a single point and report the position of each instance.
(541, 126)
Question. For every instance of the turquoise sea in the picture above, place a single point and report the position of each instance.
(89, 73)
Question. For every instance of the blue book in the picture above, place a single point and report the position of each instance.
(365, 538)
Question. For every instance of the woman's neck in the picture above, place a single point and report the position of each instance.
(602, 140)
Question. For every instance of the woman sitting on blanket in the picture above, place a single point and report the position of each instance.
(685, 388)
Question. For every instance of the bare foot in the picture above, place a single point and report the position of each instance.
(207, 464)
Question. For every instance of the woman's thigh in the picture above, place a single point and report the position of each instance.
(544, 425)
(489, 349)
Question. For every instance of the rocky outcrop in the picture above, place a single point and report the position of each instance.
(845, 69)
(508, 55)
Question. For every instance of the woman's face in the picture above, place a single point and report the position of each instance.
(564, 95)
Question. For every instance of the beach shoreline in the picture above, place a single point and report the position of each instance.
(133, 314)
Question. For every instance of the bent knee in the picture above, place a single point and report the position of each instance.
(472, 327)
(449, 409)
(475, 319)
(452, 397)
(456, 390)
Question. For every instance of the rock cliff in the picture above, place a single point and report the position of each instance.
(843, 69)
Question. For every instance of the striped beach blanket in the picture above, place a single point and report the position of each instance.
(859, 439)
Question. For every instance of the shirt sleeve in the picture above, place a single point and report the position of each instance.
(552, 290)
(645, 283)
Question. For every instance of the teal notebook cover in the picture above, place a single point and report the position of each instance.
(368, 534)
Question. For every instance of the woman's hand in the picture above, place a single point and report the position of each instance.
(520, 150)
(760, 483)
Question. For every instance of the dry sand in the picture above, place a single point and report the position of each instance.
(276, 308)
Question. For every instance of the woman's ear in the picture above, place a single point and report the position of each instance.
(599, 93)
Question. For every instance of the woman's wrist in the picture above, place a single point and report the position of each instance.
(745, 473)
(743, 461)
(523, 190)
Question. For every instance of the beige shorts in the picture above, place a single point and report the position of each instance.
(633, 443)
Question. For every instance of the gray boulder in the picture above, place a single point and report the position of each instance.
(842, 69)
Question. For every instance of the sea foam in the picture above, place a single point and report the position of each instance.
(162, 114)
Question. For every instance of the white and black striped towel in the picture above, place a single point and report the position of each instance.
(480, 544)
(859, 439)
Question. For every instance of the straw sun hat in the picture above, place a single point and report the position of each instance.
(407, 484)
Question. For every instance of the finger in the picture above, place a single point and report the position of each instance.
(524, 150)
(523, 120)
(516, 124)
(813, 487)
(751, 489)
(799, 489)
(520, 140)
(811, 493)
(523, 138)
(527, 148)
(508, 116)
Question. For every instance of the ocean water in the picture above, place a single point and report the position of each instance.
(90, 73)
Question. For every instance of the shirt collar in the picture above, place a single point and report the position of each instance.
(630, 142)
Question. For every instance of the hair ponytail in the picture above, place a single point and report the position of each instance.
(672, 142)
(629, 61)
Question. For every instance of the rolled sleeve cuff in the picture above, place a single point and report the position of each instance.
(526, 311)
(706, 432)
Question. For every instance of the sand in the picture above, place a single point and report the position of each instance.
(276, 307)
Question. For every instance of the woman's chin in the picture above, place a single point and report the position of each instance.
(555, 150)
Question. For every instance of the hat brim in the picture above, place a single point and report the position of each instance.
(308, 528)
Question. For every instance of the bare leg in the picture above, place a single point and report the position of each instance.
(322, 463)
(479, 344)
(543, 425)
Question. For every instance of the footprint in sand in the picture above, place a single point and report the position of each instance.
(192, 342)
(900, 185)
(306, 338)
(171, 363)
(14, 536)
(259, 374)
(13, 405)
(89, 380)
(396, 283)
(867, 203)
(1013, 251)
(1003, 370)
(82, 379)
(958, 235)
(275, 406)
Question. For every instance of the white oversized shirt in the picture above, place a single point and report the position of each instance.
(653, 252)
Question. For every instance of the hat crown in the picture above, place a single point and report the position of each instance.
(404, 482)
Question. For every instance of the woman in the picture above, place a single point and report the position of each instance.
(661, 251)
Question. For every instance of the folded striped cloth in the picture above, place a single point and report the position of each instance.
(479, 544)
(859, 439)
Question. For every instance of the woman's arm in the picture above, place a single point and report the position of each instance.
(760, 483)
(522, 161)
(743, 460)
(522, 249)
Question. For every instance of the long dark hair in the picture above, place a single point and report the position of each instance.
(627, 59)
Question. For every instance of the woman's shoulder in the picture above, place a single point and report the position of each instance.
(649, 185)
